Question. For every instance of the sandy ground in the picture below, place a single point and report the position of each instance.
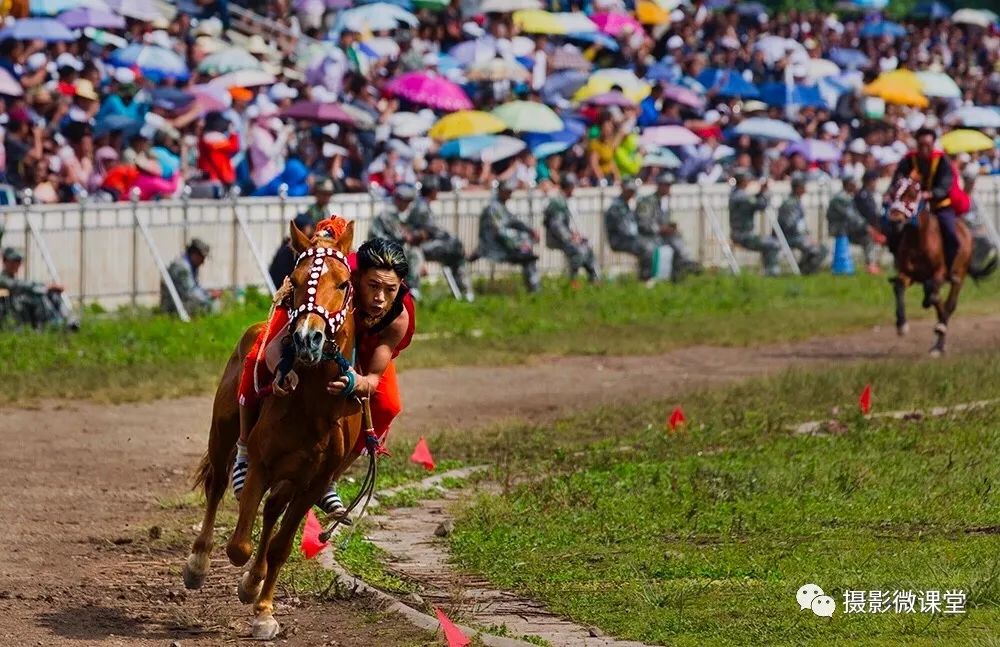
(82, 483)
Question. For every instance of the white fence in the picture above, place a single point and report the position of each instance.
(100, 254)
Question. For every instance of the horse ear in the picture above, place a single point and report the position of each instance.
(299, 241)
(346, 240)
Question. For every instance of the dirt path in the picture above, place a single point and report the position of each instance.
(77, 476)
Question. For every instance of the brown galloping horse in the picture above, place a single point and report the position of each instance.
(920, 259)
(299, 442)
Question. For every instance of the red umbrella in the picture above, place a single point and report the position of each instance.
(316, 111)
(429, 90)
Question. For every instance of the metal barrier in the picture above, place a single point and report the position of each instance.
(100, 250)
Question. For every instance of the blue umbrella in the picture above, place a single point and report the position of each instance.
(849, 58)
(932, 9)
(777, 94)
(562, 85)
(154, 62)
(466, 147)
(171, 98)
(86, 17)
(46, 29)
(403, 4)
(767, 129)
(883, 28)
(662, 71)
(597, 38)
(51, 7)
(126, 125)
(727, 83)
(573, 130)
(751, 9)
(546, 149)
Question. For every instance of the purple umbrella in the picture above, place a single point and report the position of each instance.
(613, 98)
(88, 17)
(683, 96)
(46, 29)
(316, 111)
(428, 90)
(9, 85)
(815, 150)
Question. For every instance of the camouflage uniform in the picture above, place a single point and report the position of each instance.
(742, 211)
(653, 216)
(561, 234)
(505, 239)
(393, 224)
(622, 227)
(792, 220)
(842, 218)
(29, 303)
(195, 298)
(438, 245)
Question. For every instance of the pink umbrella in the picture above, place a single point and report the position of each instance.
(815, 150)
(429, 90)
(613, 98)
(669, 136)
(316, 111)
(211, 98)
(9, 85)
(683, 96)
(615, 23)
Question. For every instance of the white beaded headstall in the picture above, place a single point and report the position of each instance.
(333, 320)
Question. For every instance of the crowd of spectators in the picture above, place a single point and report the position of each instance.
(107, 112)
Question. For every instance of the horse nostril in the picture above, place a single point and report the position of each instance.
(315, 339)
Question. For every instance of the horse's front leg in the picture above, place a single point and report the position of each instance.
(944, 312)
(250, 584)
(899, 285)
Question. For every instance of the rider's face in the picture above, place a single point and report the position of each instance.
(378, 289)
(925, 146)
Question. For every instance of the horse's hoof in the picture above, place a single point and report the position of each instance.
(941, 329)
(245, 593)
(265, 628)
(903, 330)
(195, 570)
(936, 353)
(239, 554)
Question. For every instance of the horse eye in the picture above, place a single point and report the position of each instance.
(343, 286)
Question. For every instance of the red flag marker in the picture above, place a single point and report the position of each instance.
(865, 401)
(452, 634)
(422, 454)
(311, 545)
(676, 418)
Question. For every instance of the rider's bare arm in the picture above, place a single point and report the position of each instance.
(388, 340)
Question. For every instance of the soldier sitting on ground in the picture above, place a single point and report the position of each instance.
(792, 220)
(436, 244)
(622, 225)
(183, 272)
(506, 239)
(743, 210)
(843, 218)
(29, 303)
(394, 224)
(562, 233)
(653, 212)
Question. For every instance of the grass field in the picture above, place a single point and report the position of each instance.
(143, 356)
(703, 537)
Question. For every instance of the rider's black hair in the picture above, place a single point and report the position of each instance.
(921, 132)
(383, 254)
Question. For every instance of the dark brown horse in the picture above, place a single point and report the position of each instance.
(300, 441)
(920, 258)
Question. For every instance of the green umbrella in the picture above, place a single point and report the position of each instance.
(432, 5)
(529, 117)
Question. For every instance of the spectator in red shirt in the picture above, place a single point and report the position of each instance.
(216, 147)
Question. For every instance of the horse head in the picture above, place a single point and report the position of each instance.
(904, 202)
(322, 298)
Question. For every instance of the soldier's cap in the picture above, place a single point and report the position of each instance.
(741, 174)
(631, 184)
(666, 178)
(12, 254)
(303, 220)
(406, 192)
(429, 184)
(870, 176)
(798, 179)
(568, 180)
(507, 186)
(324, 186)
(200, 246)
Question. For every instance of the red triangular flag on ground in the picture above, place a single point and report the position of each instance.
(311, 545)
(865, 401)
(676, 418)
(452, 634)
(422, 454)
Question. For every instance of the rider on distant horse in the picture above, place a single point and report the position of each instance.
(932, 168)
(384, 323)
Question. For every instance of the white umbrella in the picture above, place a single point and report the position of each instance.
(767, 129)
(776, 48)
(939, 84)
(502, 148)
(508, 6)
(657, 136)
(411, 124)
(244, 79)
(977, 17)
(231, 59)
(818, 68)
(375, 17)
(974, 117)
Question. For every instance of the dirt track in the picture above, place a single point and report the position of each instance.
(80, 485)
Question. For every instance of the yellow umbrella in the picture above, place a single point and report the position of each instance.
(896, 79)
(465, 123)
(966, 141)
(601, 81)
(650, 13)
(898, 86)
(536, 21)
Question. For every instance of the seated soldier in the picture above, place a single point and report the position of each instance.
(743, 210)
(183, 272)
(653, 212)
(843, 219)
(622, 226)
(562, 233)
(30, 303)
(506, 239)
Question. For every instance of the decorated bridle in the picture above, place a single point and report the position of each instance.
(332, 321)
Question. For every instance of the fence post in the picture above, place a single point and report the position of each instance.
(701, 224)
(26, 198)
(601, 234)
(185, 214)
(134, 197)
(140, 227)
(234, 196)
(82, 269)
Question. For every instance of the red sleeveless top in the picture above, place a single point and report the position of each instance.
(367, 339)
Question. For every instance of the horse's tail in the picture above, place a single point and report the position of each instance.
(980, 273)
(202, 473)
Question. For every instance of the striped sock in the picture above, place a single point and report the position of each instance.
(330, 503)
(239, 469)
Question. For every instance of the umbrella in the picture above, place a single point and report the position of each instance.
(778, 94)
(661, 158)
(569, 57)
(966, 141)
(529, 116)
(9, 85)
(211, 98)
(104, 38)
(974, 117)
(144, 10)
(616, 23)
(815, 150)
(976, 17)
(939, 84)
(231, 59)
(603, 80)
(818, 68)
(932, 9)
(662, 71)
(319, 112)
(244, 79)
(465, 123)
(508, 6)
(379, 48)
(431, 5)
(154, 62)
(902, 87)
(535, 21)
(883, 28)
(86, 17)
(46, 29)
(425, 89)
(562, 85)
(52, 7)
(498, 69)
(548, 149)
(411, 124)
(573, 130)
(374, 17)
(596, 38)
(767, 129)
(683, 96)
(849, 58)
(657, 136)
(651, 13)
(614, 98)
(127, 125)
(728, 84)
(361, 117)
(171, 98)
(751, 9)
(776, 48)
(487, 148)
